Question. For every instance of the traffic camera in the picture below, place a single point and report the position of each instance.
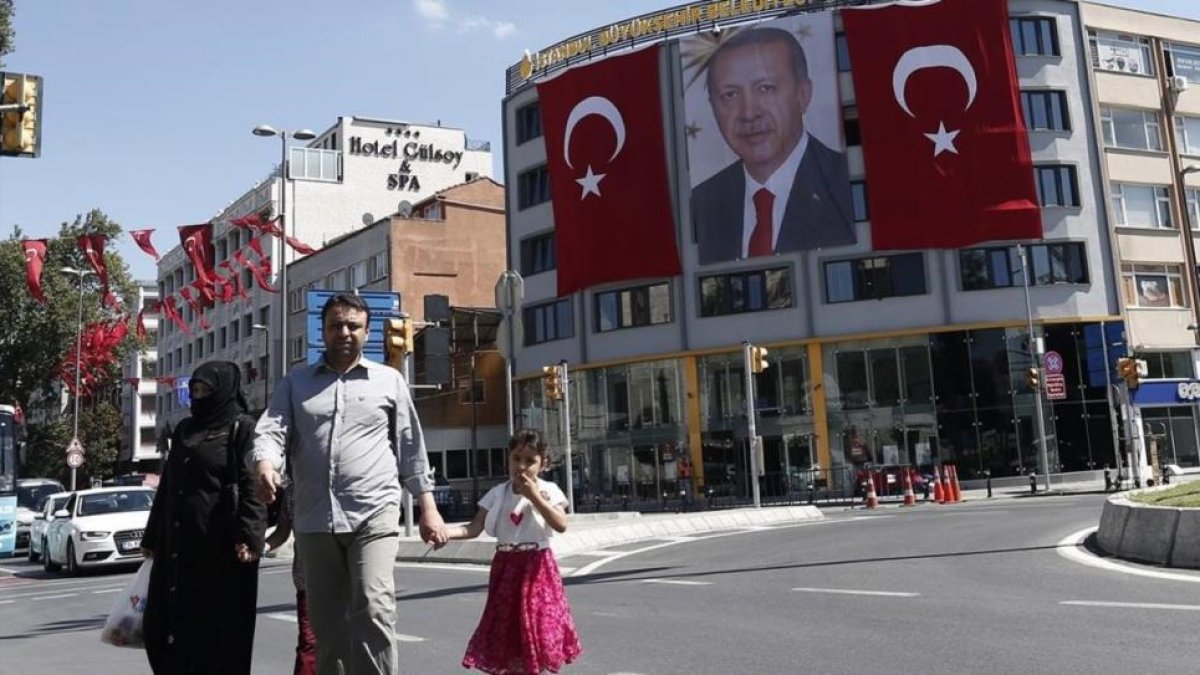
(20, 119)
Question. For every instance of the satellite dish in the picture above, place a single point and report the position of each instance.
(404, 209)
(368, 218)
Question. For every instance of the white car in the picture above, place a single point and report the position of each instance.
(30, 493)
(42, 519)
(98, 528)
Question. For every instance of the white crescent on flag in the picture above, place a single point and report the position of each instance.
(593, 105)
(934, 56)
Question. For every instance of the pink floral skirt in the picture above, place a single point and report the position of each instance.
(526, 626)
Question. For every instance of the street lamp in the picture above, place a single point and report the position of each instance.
(78, 352)
(266, 377)
(299, 135)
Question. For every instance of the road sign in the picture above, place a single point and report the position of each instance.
(1056, 386)
(384, 305)
(74, 460)
(510, 294)
(1053, 363)
(75, 446)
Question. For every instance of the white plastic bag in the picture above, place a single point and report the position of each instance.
(123, 628)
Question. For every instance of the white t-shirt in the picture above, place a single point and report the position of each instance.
(512, 519)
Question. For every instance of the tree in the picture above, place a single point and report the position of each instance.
(35, 338)
(7, 34)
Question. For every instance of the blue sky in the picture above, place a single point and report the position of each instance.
(149, 104)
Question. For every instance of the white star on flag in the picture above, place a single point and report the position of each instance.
(590, 183)
(943, 141)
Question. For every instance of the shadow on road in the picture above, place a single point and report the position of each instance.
(64, 626)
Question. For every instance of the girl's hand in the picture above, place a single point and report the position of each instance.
(525, 485)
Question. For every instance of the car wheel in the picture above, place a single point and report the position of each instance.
(72, 566)
(33, 556)
(48, 564)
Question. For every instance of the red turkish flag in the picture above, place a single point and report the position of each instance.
(92, 246)
(297, 245)
(234, 282)
(197, 308)
(197, 243)
(944, 141)
(260, 271)
(133, 382)
(35, 259)
(142, 239)
(141, 324)
(172, 312)
(608, 172)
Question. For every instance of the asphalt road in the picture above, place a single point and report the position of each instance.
(935, 590)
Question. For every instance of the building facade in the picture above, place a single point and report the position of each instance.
(139, 405)
(352, 174)
(914, 358)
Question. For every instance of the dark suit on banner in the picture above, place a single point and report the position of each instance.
(819, 213)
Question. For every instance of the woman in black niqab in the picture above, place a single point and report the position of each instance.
(205, 535)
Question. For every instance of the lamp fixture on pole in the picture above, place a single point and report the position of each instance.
(78, 352)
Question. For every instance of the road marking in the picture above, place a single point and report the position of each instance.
(1131, 605)
(7, 602)
(291, 618)
(464, 567)
(1071, 548)
(30, 593)
(677, 582)
(850, 591)
(54, 597)
(107, 590)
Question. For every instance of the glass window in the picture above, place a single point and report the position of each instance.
(1153, 285)
(1034, 36)
(1129, 128)
(852, 379)
(529, 123)
(918, 382)
(1000, 267)
(1057, 185)
(1168, 365)
(1045, 110)
(751, 291)
(1192, 200)
(549, 321)
(858, 196)
(538, 254)
(456, 464)
(533, 187)
(885, 376)
(875, 278)
(641, 306)
(1119, 53)
(358, 274)
(1183, 60)
(1187, 134)
(1142, 205)
(843, 52)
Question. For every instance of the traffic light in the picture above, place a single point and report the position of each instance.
(21, 115)
(758, 359)
(1033, 377)
(1128, 370)
(397, 341)
(552, 382)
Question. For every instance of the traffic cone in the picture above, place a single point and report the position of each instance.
(910, 499)
(872, 498)
(954, 488)
(939, 495)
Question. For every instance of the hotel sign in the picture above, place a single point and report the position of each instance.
(404, 179)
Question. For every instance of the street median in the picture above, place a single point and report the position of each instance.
(1160, 535)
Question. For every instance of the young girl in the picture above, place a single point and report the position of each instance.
(526, 626)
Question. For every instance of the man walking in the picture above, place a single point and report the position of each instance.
(350, 430)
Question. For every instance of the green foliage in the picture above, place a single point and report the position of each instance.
(1185, 495)
(45, 448)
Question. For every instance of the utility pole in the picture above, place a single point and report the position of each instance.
(1035, 354)
(563, 373)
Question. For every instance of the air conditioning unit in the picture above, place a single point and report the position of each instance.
(1178, 83)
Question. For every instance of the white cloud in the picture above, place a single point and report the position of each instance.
(503, 29)
(435, 11)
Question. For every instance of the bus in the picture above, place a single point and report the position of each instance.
(10, 436)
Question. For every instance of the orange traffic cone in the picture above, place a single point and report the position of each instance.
(954, 488)
(872, 498)
(939, 494)
(910, 499)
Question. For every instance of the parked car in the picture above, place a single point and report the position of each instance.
(44, 516)
(97, 528)
(30, 493)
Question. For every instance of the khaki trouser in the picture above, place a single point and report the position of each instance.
(352, 595)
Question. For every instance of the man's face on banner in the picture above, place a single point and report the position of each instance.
(759, 103)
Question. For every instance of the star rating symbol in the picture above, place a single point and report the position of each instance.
(943, 141)
(590, 183)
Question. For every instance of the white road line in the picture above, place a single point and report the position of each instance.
(11, 570)
(54, 597)
(7, 602)
(1071, 548)
(677, 582)
(291, 618)
(1131, 605)
(850, 591)
(107, 590)
(29, 593)
(452, 567)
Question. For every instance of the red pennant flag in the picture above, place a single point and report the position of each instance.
(168, 380)
(172, 312)
(197, 243)
(261, 271)
(133, 382)
(605, 152)
(190, 299)
(142, 239)
(297, 245)
(234, 282)
(35, 259)
(946, 152)
(18, 413)
(92, 246)
(252, 222)
(141, 324)
(205, 290)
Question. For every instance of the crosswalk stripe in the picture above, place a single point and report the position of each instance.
(677, 582)
(291, 618)
(850, 591)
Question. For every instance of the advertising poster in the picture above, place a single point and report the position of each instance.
(8, 525)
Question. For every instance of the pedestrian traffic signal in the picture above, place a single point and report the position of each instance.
(1128, 370)
(552, 381)
(397, 341)
(1033, 377)
(758, 359)
(20, 115)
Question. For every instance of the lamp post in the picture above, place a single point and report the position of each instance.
(1035, 355)
(78, 353)
(300, 135)
(266, 330)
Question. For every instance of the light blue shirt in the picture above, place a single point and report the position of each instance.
(346, 462)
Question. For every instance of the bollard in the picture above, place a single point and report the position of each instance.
(596, 499)
(1032, 483)
(1107, 479)
(988, 473)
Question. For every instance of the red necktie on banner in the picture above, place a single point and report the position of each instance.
(142, 239)
(35, 259)
(762, 239)
(944, 142)
(608, 172)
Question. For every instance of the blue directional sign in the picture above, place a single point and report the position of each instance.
(384, 305)
(183, 392)
(1097, 343)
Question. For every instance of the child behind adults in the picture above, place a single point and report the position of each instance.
(306, 641)
(526, 625)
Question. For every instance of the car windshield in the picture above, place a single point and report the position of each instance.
(30, 496)
(59, 502)
(115, 502)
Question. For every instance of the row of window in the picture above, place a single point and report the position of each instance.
(867, 278)
(1132, 55)
(167, 401)
(1136, 129)
(215, 340)
(350, 278)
